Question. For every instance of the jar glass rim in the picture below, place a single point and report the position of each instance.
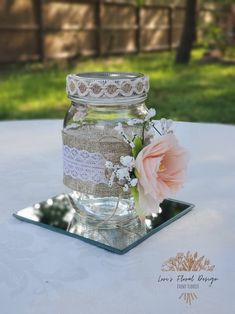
(109, 75)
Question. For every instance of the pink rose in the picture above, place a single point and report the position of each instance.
(161, 169)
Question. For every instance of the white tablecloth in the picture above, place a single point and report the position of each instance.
(43, 272)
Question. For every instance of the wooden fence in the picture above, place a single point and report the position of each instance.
(49, 29)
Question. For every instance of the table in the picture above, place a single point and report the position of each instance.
(43, 272)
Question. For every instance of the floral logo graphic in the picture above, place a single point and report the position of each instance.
(188, 297)
(191, 263)
(187, 262)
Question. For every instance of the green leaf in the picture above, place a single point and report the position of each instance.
(135, 194)
(138, 146)
(136, 173)
(140, 212)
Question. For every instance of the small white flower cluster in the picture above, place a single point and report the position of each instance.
(164, 125)
(150, 114)
(122, 172)
(120, 130)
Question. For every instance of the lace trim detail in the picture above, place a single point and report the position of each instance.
(76, 86)
(83, 165)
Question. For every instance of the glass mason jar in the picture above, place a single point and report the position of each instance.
(99, 101)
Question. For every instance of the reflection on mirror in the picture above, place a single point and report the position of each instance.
(58, 214)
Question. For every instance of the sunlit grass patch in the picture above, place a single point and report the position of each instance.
(197, 92)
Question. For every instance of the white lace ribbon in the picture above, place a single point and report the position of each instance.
(83, 165)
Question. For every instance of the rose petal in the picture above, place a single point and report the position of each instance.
(161, 166)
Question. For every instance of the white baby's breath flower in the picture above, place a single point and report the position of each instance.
(152, 130)
(169, 124)
(127, 161)
(120, 130)
(166, 126)
(125, 188)
(150, 114)
(134, 182)
(123, 173)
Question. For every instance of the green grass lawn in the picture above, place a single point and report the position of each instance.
(197, 92)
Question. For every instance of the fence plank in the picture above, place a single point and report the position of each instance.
(38, 7)
(170, 29)
(64, 29)
(138, 30)
(98, 27)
